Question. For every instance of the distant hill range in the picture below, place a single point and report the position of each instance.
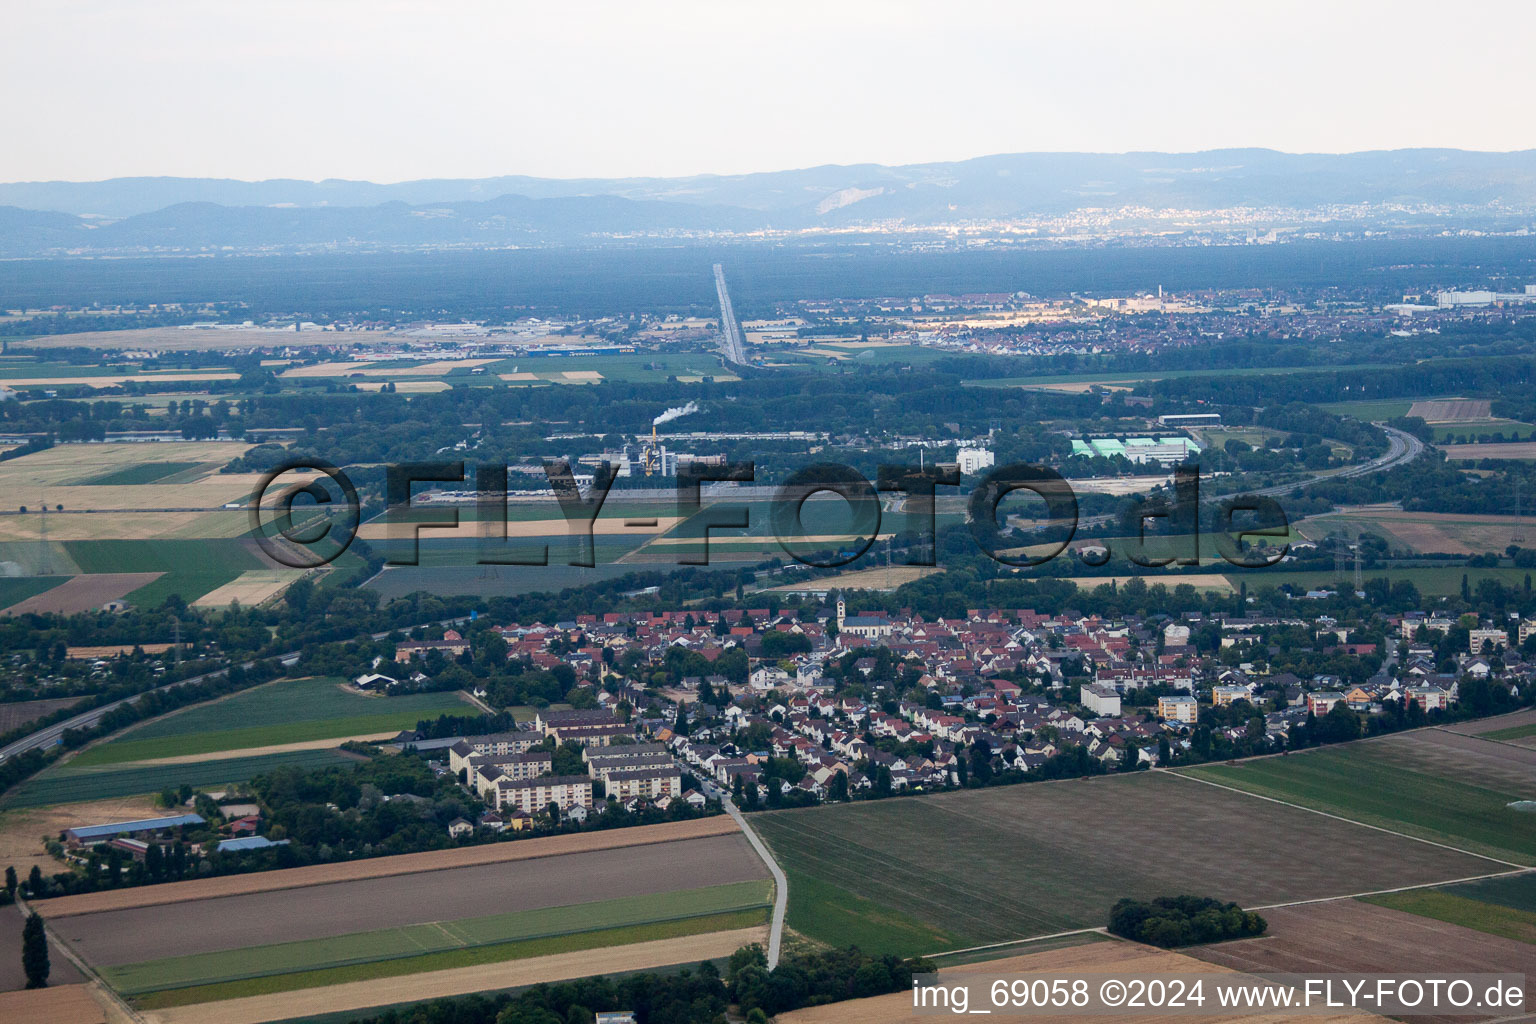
(1422, 186)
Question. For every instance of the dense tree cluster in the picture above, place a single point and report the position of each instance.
(1170, 921)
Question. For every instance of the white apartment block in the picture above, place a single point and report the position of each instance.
(533, 795)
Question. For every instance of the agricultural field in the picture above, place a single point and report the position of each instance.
(1354, 936)
(1080, 845)
(84, 593)
(1505, 906)
(1424, 532)
(15, 589)
(410, 949)
(1450, 410)
(1431, 582)
(1432, 784)
(1477, 452)
(182, 953)
(1370, 411)
(1104, 958)
(288, 711)
(15, 714)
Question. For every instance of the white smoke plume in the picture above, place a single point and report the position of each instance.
(675, 413)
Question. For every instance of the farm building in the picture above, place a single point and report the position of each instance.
(89, 835)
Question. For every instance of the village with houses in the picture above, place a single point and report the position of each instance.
(877, 704)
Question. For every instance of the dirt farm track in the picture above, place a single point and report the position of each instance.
(382, 867)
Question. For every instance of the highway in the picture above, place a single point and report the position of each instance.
(730, 329)
(1402, 448)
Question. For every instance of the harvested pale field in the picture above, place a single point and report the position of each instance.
(147, 934)
(321, 370)
(71, 463)
(518, 376)
(275, 748)
(1077, 387)
(15, 714)
(172, 339)
(23, 829)
(861, 579)
(114, 650)
(437, 984)
(384, 867)
(84, 593)
(1508, 450)
(581, 375)
(57, 1004)
(113, 381)
(1122, 959)
(435, 368)
(252, 587)
(1347, 936)
(469, 529)
(1119, 486)
(81, 524)
(414, 387)
(1451, 410)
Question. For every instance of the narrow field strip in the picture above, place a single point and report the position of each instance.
(435, 937)
(471, 956)
(383, 867)
(381, 992)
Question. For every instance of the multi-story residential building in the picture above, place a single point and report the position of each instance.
(1181, 709)
(1101, 700)
(651, 784)
(533, 795)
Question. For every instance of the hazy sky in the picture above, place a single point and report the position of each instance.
(389, 91)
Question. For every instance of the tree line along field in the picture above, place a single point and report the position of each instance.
(996, 865)
(1404, 785)
(439, 945)
(286, 711)
(65, 783)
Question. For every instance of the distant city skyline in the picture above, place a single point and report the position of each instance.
(398, 91)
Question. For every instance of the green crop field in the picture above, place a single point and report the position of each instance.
(996, 865)
(415, 940)
(229, 555)
(1432, 582)
(142, 473)
(1445, 905)
(66, 784)
(1367, 782)
(287, 711)
(1518, 892)
(1370, 410)
(14, 589)
(1517, 732)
